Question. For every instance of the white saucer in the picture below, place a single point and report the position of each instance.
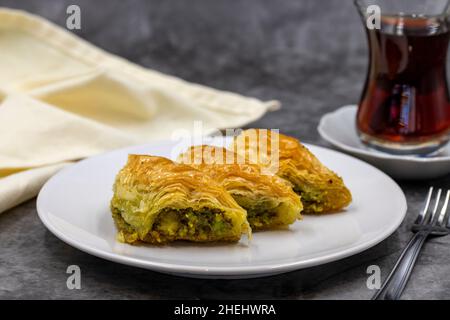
(338, 128)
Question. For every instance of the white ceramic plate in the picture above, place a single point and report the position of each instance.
(338, 128)
(74, 205)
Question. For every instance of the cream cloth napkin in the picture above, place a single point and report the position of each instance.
(63, 99)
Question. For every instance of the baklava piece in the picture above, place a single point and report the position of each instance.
(158, 201)
(321, 189)
(269, 200)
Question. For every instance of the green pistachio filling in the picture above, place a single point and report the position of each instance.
(260, 219)
(187, 223)
(172, 224)
(312, 200)
(259, 214)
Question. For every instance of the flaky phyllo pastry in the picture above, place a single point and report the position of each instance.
(156, 200)
(321, 189)
(269, 200)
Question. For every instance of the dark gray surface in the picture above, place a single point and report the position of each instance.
(311, 55)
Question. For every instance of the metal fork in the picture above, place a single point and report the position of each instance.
(432, 221)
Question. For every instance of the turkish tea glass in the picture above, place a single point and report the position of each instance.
(405, 105)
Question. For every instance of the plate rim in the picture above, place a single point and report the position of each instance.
(354, 150)
(215, 271)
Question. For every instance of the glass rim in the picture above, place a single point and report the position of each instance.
(444, 14)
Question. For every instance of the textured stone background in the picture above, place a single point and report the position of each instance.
(310, 55)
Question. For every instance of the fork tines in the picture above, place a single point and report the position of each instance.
(429, 215)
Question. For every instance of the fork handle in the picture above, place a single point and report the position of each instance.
(395, 283)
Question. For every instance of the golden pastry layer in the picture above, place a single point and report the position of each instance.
(269, 200)
(157, 201)
(321, 189)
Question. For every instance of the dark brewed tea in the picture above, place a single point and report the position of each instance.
(405, 99)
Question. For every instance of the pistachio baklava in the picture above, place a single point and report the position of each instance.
(157, 201)
(269, 200)
(321, 189)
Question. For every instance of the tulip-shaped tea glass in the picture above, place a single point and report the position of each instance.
(405, 105)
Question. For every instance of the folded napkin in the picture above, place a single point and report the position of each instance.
(63, 99)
